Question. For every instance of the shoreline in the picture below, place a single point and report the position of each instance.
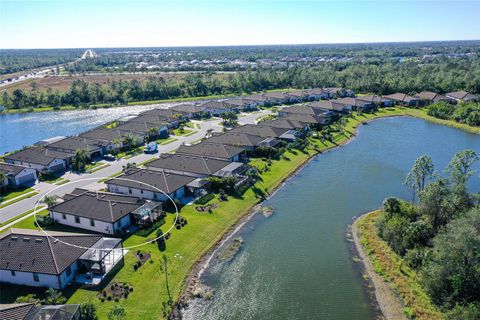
(193, 278)
(379, 290)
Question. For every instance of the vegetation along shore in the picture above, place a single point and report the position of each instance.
(422, 257)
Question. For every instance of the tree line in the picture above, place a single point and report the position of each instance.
(468, 113)
(439, 235)
(460, 74)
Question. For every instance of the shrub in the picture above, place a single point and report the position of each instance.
(205, 199)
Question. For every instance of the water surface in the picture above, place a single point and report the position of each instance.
(18, 130)
(296, 264)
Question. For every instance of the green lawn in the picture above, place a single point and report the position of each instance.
(203, 230)
(185, 132)
(17, 217)
(13, 193)
(166, 140)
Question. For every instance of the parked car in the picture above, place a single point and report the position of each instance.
(109, 157)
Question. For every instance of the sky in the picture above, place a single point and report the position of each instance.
(163, 23)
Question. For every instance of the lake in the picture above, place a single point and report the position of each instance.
(297, 264)
(18, 130)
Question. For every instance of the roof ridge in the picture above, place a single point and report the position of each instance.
(53, 254)
(166, 183)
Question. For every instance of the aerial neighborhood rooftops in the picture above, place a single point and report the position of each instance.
(260, 130)
(189, 109)
(244, 140)
(332, 105)
(72, 144)
(403, 99)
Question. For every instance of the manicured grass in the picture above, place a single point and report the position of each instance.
(185, 132)
(13, 193)
(402, 279)
(166, 140)
(97, 166)
(28, 223)
(111, 176)
(201, 233)
(17, 217)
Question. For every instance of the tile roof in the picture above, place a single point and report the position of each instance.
(15, 311)
(145, 179)
(401, 97)
(32, 251)
(328, 105)
(285, 123)
(71, 144)
(100, 206)
(261, 130)
(211, 149)
(311, 108)
(11, 169)
(462, 95)
(237, 139)
(38, 155)
(188, 163)
(186, 108)
(104, 134)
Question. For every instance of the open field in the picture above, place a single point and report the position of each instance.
(63, 83)
(187, 245)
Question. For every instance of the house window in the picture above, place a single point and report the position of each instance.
(92, 222)
(35, 277)
(141, 191)
(12, 272)
(69, 271)
(77, 219)
(155, 196)
(130, 190)
(64, 216)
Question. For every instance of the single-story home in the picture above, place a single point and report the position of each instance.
(217, 107)
(141, 128)
(427, 97)
(94, 148)
(195, 166)
(288, 123)
(258, 99)
(377, 100)
(29, 311)
(31, 258)
(143, 183)
(276, 97)
(241, 104)
(462, 96)
(312, 120)
(214, 150)
(191, 110)
(245, 140)
(103, 212)
(158, 120)
(357, 104)
(41, 159)
(331, 105)
(317, 94)
(17, 175)
(403, 99)
(296, 96)
(164, 115)
(339, 92)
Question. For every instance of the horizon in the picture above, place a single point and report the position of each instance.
(50, 24)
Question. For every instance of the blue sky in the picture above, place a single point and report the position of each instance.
(122, 23)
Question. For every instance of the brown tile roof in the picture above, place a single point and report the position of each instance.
(188, 163)
(38, 155)
(260, 130)
(400, 97)
(11, 169)
(32, 251)
(237, 139)
(211, 149)
(15, 311)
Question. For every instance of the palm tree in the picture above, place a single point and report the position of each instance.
(80, 160)
(50, 201)
(253, 175)
(152, 134)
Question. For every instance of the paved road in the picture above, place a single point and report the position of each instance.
(18, 208)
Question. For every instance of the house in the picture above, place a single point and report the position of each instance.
(296, 96)
(265, 131)
(41, 159)
(31, 258)
(377, 100)
(158, 120)
(427, 97)
(214, 150)
(17, 175)
(357, 104)
(94, 148)
(288, 123)
(142, 128)
(29, 311)
(164, 115)
(258, 99)
(241, 104)
(112, 136)
(276, 97)
(103, 212)
(317, 94)
(331, 105)
(403, 99)
(315, 108)
(145, 184)
(462, 96)
(196, 166)
(309, 119)
(339, 92)
(245, 140)
(191, 111)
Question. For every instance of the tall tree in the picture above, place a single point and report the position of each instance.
(419, 175)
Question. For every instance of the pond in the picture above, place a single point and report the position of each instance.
(297, 264)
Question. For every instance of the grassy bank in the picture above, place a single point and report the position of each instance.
(402, 280)
(187, 245)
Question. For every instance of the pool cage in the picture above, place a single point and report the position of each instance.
(102, 256)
